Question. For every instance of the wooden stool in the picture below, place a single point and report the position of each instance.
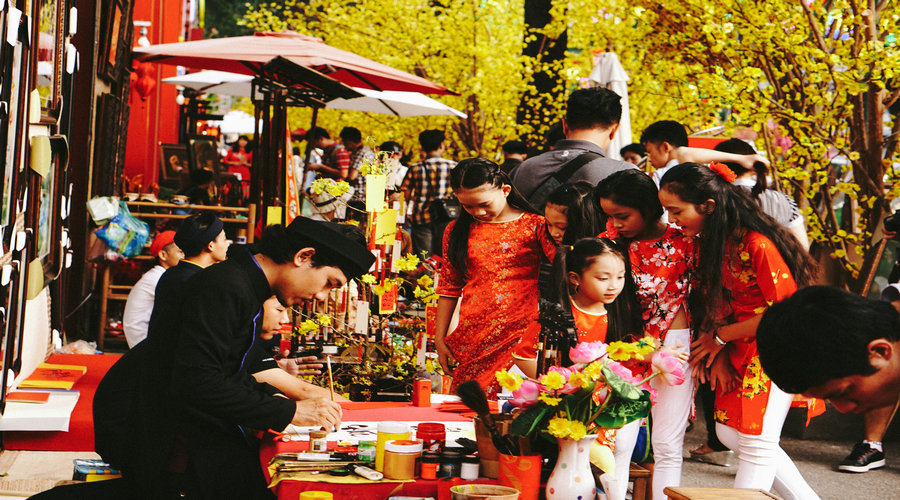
(681, 493)
(641, 479)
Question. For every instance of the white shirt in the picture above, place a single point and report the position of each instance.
(139, 306)
(660, 172)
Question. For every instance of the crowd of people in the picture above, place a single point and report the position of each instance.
(693, 254)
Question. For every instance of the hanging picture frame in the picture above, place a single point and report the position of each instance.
(49, 38)
(115, 21)
(12, 92)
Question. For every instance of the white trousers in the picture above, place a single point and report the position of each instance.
(669, 422)
(762, 463)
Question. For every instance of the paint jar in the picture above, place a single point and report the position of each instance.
(431, 464)
(388, 431)
(451, 463)
(402, 459)
(432, 436)
(469, 469)
(318, 441)
(366, 452)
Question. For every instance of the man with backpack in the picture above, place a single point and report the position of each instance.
(591, 122)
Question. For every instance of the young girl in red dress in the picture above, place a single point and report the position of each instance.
(662, 263)
(591, 280)
(571, 213)
(747, 262)
(491, 258)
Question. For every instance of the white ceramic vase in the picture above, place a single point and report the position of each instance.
(572, 478)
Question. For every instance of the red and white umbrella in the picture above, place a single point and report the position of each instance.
(247, 54)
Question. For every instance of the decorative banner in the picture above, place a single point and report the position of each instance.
(385, 227)
(12, 25)
(41, 155)
(375, 189)
(291, 197)
(35, 279)
(34, 110)
(273, 215)
(388, 302)
(362, 317)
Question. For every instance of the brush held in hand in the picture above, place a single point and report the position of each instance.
(473, 396)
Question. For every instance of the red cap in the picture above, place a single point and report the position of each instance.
(162, 240)
(298, 133)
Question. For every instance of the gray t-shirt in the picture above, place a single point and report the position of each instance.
(529, 176)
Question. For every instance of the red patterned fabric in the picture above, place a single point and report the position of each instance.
(499, 298)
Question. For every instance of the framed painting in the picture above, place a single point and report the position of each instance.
(111, 50)
(203, 153)
(48, 58)
(46, 221)
(173, 161)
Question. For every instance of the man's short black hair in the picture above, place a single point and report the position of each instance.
(595, 107)
(315, 133)
(351, 134)
(515, 148)
(822, 333)
(554, 134)
(665, 131)
(390, 147)
(201, 176)
(635, 148)
(281, 245)
(189, 236)
(431, 140)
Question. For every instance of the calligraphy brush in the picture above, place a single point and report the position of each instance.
(473, 396)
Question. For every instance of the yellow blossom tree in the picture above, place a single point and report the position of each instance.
(473, 48)
(811, 78)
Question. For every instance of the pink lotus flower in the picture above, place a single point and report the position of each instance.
(670, 368)
(623, 372)
(527, 394)
(600, 394)
(565, 372)
(587, 352)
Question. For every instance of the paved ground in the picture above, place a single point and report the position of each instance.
(817, 460)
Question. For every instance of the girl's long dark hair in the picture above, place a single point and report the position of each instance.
(734, 211)
(739, 147)
(474, 173)
(582, 214)
(631, 188)
(624, 314)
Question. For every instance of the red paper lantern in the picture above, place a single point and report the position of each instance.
(144, 86)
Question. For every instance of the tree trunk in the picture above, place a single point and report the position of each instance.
(537, 110)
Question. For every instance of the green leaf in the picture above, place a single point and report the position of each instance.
(621, 387)
(530, 419)
(622, 412)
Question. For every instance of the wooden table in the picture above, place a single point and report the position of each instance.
(682, 493)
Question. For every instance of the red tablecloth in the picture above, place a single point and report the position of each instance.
(80, 436)
(363, 412)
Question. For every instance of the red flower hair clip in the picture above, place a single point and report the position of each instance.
(723, 171)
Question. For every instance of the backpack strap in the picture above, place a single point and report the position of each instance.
(568, 170)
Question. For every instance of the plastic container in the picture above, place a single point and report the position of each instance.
(366, 452)
(431, 465)
(318, 441)
(432, 436)
(388, 431)
(469, 469)
(451, 464)
(402, 459)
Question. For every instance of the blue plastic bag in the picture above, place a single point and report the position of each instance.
(124, 233)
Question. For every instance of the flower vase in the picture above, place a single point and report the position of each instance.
(572, 478)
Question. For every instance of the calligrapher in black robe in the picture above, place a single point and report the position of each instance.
(196, 400)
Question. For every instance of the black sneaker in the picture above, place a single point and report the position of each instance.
(863, 458)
